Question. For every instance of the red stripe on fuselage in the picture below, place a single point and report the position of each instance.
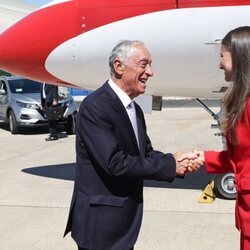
(210, 3)
(99, 13)
(26, 45)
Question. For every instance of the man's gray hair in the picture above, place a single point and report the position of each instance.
(122, 51)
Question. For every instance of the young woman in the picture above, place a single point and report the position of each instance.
(235, 61)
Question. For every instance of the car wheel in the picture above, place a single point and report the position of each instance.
(225, 185)
(70, 124)
(13, 123)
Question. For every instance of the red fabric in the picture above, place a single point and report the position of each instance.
(244, 242)
(236, 159)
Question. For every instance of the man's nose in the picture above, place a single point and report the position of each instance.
(149, 71)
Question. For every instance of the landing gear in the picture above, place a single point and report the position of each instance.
(224, 183)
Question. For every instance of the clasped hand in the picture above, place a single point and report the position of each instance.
(187, 162)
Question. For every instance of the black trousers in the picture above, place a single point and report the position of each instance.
(52, 127)
(51, 123)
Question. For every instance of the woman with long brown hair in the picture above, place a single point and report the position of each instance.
(235, 61)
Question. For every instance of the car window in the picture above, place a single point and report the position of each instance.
(24, 86)
(3, 86)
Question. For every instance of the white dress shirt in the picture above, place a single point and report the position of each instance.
(128, 104)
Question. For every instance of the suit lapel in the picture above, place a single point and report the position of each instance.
(122, 113)
(140, 130)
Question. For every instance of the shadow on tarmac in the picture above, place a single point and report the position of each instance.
(60, 171)
(197, 180)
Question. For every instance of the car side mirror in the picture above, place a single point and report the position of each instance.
(2, 92)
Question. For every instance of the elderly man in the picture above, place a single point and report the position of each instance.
(115, 155)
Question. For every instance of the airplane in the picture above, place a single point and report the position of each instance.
(67, 42)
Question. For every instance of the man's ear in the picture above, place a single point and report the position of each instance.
(118, 66)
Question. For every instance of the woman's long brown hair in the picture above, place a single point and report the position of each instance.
(237, 42)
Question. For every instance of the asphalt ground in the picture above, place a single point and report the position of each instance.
(36, 182)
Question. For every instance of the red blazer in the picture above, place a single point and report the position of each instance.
(236, 159)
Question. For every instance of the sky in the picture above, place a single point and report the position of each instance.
(38, 2)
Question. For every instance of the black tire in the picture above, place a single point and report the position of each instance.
(13, 126)
(225, 185)
(70, 125)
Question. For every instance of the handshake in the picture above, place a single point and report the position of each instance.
(188, 162)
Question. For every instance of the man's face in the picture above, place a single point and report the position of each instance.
(226, 63)
(137, 70)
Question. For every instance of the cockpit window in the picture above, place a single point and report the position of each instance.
(24, 86)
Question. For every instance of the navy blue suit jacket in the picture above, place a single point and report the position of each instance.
(107, 203)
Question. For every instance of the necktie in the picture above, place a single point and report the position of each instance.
(132, 117)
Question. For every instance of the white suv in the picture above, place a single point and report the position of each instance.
(20, 104)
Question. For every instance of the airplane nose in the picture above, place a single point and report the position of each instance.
(25, 46)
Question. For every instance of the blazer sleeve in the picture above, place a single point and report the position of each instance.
(98, 134)
(221, 162)
(218, 162)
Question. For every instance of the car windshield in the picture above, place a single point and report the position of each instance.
(24, 86)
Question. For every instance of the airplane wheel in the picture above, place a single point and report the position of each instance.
(225, 185)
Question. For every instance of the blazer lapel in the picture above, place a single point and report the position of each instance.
(122, 113)
(140, 131)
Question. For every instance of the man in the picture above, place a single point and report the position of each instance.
(50, 99)
(114, 155)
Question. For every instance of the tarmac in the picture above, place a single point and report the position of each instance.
(36, 183)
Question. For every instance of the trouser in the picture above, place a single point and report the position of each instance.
(51, 123)
(52, 127)
(244, 242)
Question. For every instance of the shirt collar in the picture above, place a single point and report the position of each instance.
(125, 99)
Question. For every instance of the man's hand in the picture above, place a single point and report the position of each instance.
(187, 162)
(201, 155)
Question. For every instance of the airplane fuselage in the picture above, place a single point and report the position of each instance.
(68, 42)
